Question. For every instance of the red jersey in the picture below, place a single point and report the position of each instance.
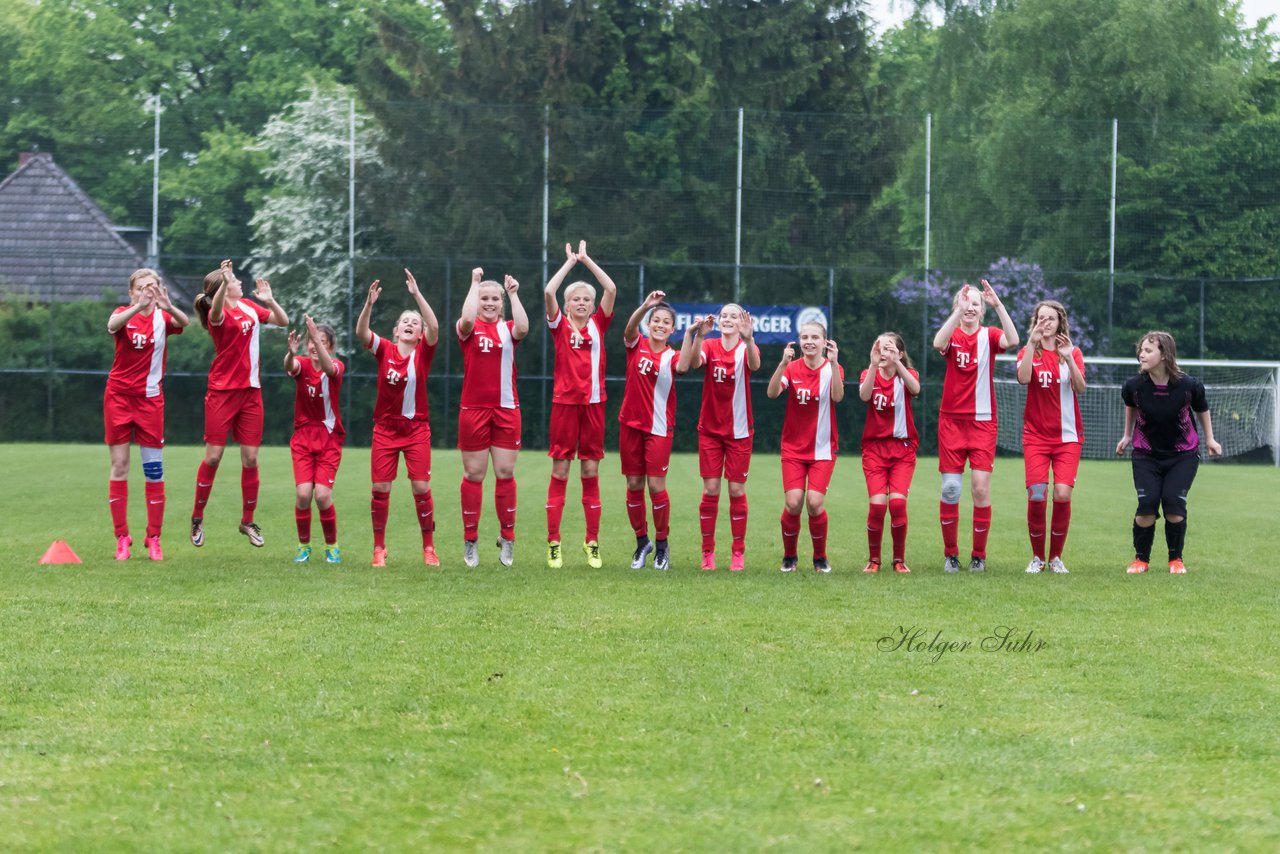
(1052, 413)
(968, 388)
(236, 348)
(889, 414)
(649, 400)
(726, 392)
(579, 369)
(315, 399)
(489, 366)
(140, 353)
(402, 380)
(809, 430)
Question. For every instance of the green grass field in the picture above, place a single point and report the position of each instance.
(227, 699)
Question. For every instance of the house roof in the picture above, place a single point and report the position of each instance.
(55, 242)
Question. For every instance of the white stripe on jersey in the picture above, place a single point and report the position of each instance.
(254, 382)
(408, 404)
(594, 331)
(822, 435)
(661, 392)
(156, 372)
(982, 383)
(329, 419)
(1066, 402)
(899, 408)
(508, 391)
(741, 425)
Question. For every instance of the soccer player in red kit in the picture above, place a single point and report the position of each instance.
(1052, 369)
(401, 423)
(889, 443)
(133, 403)
(647, 423)
(814, 384)
(318, 434)
(489, 417)
(233, 403)
(725, 425)
(577, 402)
(967, 417)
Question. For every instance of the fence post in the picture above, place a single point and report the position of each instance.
(1111, 261)
(737, 227)
(924, 294)
(448, 351)
(1202, 318)
(153, 248)
(546, 181)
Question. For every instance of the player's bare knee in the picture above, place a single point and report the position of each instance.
(1062, 491)
(736, 489)
(323, 496)
(635, 483)
(302, 496)
(1038, 492)
(420, 487)
(952, 488)
(815, 501)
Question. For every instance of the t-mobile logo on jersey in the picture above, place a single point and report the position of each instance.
(1046, 378)
(245, 326)
(880, 401)
(576, 340)
(394, 376)
(721, 374)
(645, 367)
(139, 340)
(803, 396)
(312, 391)
(485, 343)
(962, 359)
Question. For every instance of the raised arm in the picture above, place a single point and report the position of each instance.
(1009, 333)
(610, 289)
(632, 330)
(520, 328)
(362, 322)
(118, 319)
(748, 332)
(942, 340)
(262, 290)
(691, 347)
(837, 382)
(1067, 352)
(553, 286)
(219, 301)
(775, 381)
(910, 382)
(291, 353)
(867, 387)
(430, 325)
(322, 352)
(161, 295)
(1026, 363)
(471, 305)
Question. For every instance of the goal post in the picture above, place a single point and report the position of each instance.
(1242, 399)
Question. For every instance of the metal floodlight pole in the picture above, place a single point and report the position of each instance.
(546, 236)
(1111, 261)
(737, 229)
(351, 226)
(153, 251)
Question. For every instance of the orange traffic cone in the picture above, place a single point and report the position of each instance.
(60, 552)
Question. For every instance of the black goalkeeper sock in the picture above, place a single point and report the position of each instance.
(1175, 534)
(1142, 540)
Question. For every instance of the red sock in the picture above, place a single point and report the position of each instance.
(591, 507)
(636, 512)
(379, 505)
(472, 500)
(708, 510)
(1061, 523)
(898, 527)
(302, 517)
(818, 533)
(981, 529)
(949, 516)
(155, 507)
(738, 521)
(204, 485)
(426, 510)
(248, 493)
(1035, 526)
(504, 500)
(875, 530)
(118, 502)
(329, 524)
(661, 514)
(555, 507)
(790, 533)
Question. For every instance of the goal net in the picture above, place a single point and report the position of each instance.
(1242, 401)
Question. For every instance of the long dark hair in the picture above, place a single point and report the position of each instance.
(901, 344)
(204, 300)
(1164, 343)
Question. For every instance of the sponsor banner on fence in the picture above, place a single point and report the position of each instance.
(773, 324)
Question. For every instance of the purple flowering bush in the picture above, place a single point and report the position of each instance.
(1019, 285)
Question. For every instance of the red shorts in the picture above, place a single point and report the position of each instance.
(644, 453)
(963, 438)
(888, 465)
(482, 428)
(133, 415)
(813, 475)
(316, 454)
(237, 411)
(577, 429)
(1063, 456)
(390, 439)
(727, 458)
